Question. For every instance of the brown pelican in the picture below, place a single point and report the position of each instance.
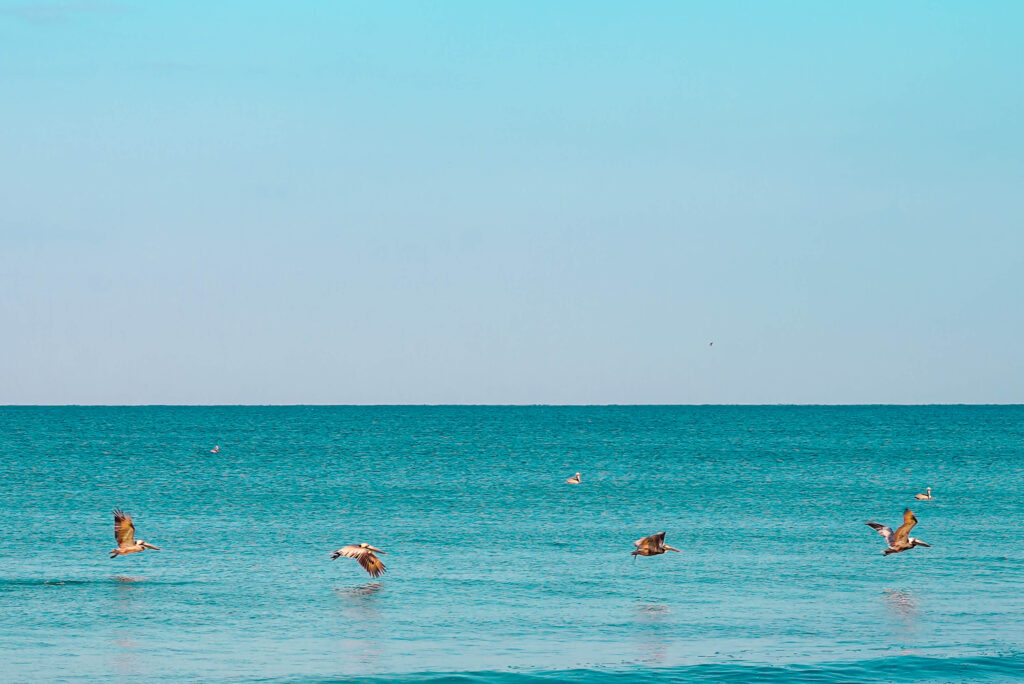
(215, 449)
(575, 479)
(653, 545)
(901, 539)
(924, 497)
(124, 533)
(364, 553)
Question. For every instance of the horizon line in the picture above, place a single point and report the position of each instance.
(510, 405)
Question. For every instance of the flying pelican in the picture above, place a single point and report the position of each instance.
(575, 479)
(653, 545)
(901, 540)
(124, 533)
(215, 449)
(364, 553)
(924, 497)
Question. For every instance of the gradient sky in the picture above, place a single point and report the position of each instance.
(476, 202)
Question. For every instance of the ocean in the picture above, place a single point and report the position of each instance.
(497, 570)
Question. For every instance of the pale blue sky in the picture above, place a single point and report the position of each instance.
(475, 202)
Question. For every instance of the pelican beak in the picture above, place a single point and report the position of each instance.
(921, 543)
(669, 548)
(150, 546)
(376, 550)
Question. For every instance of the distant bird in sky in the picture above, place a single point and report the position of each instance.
(711, 344)
(901, 539)
(924, 497)
(124, 533)
(653, 545)
(575, 479)
(215, 449)
(364, 554)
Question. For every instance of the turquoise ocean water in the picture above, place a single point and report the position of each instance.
(497, 571)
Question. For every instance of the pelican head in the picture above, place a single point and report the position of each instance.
(147, 545)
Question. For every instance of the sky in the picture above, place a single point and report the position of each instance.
(511, 202)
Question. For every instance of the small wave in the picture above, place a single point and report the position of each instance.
(60, 582)
(900, 669)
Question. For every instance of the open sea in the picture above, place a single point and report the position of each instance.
(497, 571)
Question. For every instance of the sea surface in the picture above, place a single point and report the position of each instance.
(497, 570)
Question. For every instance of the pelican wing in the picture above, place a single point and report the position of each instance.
(651, 543)
(124, 529)
(883, 530)
(903, 531)
(364, 557)
(350, 551)
(372, 564)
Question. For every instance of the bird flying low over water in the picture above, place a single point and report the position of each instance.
(900, 540)
(924, 497)
(653, 545)
(124, 533)
(364, 553)
(575, 479)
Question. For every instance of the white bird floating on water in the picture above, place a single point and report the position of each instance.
(575, 479)
(924, 497)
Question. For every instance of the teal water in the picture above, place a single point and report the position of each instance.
(498, 572)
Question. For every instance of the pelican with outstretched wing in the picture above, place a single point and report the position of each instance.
(653, 545)
(124, 533)
(900, 540)
(365, 555)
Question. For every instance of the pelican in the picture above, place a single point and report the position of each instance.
(124, 533)
(653, 545)
(215, 449)
(575, 479)
(901, 540)
(364, 553)
(924, 497)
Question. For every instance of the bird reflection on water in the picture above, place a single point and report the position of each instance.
(122, 649)
(654, 641)
(359, 591)
(651, 612)
(125, 579)
(361, 600)
(901, 606)
(359, 606)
